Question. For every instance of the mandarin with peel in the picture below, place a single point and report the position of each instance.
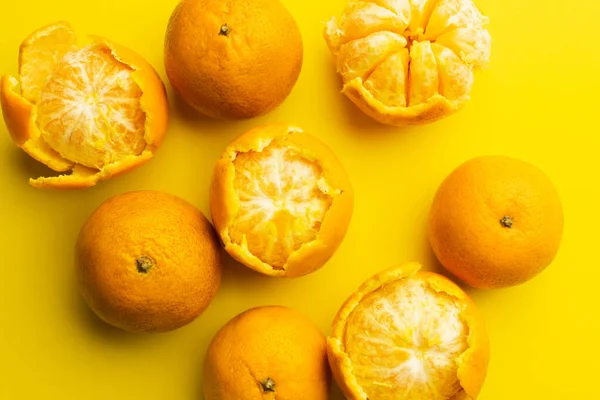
(148, 261)
(281, 201)
(267, 353)
(95, 110)
(409, 335)
(496, 221)
(405, 62)
(233, 59)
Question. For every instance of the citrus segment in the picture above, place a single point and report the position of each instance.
(423, 76)
(280, 200)
(368, 33)
(455, 77)
(283, 201)
(364, 18)
(390, 91)
(360, 57)
(96, 111)
(470, 44)
(40, 53)
(89, 109)
(409, 335)
(420, 12)
(452, 14)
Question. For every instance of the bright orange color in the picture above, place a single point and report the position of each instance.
(496, 221)
(281, 201)
(233, 59)
(148, 262)
(409, 61)
(409, 335)
(267, 353)
(97, 110)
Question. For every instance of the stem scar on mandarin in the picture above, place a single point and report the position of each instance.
(144, 264)
(506, 221)
(225, 30)
(268, 385)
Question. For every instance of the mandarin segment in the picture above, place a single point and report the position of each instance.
(391, 91)
(424, 75)
(359, 58)
(455, 77)
(40, 53)
(452, 14)
(444, 41)
(96, 111)
(409, 335)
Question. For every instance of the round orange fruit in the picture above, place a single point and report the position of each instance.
(496, 221)
(408, 62)
(94, 110)
(409, 335)
(235, 59)
(281, 201)
(264, 353)
(148, 262)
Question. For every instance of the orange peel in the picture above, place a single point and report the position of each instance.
(96, 110)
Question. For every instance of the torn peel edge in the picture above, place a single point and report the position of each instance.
(19, 116)
(83, 177)
(436, 107)
(153, 101)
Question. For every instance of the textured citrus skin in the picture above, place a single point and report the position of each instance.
(465, 224)
(20, 116)
(127, 231)
(225, 203)
(267, 342)
(472, 364)
(242, 73)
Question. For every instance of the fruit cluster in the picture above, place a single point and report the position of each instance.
(280, 200)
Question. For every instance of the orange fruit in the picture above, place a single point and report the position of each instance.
(409, 61)
(409, 335)
(235, 59)
(496, 221)
(281, 201)
(148, 262)
(267, 353)
(96, 110)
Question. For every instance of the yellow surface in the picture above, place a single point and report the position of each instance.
(538, 101)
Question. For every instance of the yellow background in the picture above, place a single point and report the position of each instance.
(538, 101)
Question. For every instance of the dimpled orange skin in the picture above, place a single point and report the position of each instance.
(270, 346)
(162, 235)
(233, 59)
(472, 364)
(466, 228)
(20, 115)
(225, 205)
